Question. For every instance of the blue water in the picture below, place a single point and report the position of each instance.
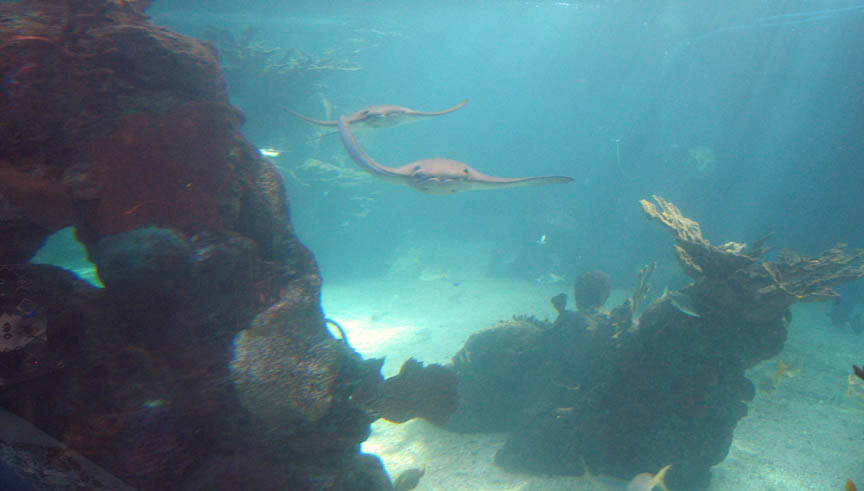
(746, 114)
(772, 89)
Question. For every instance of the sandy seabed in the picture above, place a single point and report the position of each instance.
(806, 435)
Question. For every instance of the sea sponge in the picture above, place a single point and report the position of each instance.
(591, 290)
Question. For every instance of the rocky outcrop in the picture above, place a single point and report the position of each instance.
(204, 363)
(625, 395)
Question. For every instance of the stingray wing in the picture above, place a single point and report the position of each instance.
(319, 122)
(457, 107)
(365, 162)
(479, 181)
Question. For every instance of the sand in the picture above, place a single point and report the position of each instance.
(806, 435)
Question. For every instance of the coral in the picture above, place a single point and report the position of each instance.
(145, 260)
(809, 279)
(44, 311)
(670, 216)
(591, 289)
(123, 130)
(173, 170)
(282, 381)
(630, 397)
(642, 287)
(417, 391)
(727, 270)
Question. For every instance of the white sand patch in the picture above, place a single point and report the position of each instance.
(429, 320)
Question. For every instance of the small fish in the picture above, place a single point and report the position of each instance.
(408, 479)
(784, 371)
(647, 481)
(680, 301)
(850, 486)
(432, 274)
(543, 240)
(642, 482)
(270, 152)
(549, 279)
(155, 403)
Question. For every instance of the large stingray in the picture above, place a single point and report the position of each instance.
(382, 116)
(435, 176)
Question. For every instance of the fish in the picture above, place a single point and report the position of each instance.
(850, 486)
(409, 479)
(784, 371)
(385, 116)
(270, 152)
(432, 274)
(681, 301)
(647, 481)
(549, 279)
(437, 175)
(642, 482)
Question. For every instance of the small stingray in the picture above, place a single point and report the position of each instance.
(435, 176)
(382, 116)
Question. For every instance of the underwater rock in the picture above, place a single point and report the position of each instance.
(193, 156)
(31, 460)
(632, 395)
(418, 392)
(488, 367)
(123, 130)
(283, 381)
(47, 315)
(559, 303)
(146, 260)
(591, 289)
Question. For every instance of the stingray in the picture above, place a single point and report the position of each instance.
(438, 175)
(382, 116)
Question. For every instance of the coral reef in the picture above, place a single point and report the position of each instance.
(252, 67)
(204, 362)
(633, 395)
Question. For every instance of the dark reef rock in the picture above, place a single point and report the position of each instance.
(204, 363)
(45, 318)
(417, 391)
(631, 395)
(591, 289)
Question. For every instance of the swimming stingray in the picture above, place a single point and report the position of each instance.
(382, 116)
(435, 176)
